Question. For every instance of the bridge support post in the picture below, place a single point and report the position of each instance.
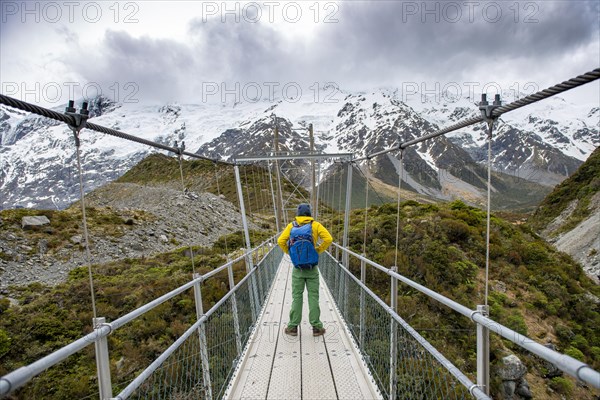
(313, 180)
(483, 352)
(236, 320)
(363, 278)
(202, 338)
(249, 263)
(345, 256)
(258, 280)
(103, 363)
(347, 214)
(280, 206)
(393, 336)
(277, 223)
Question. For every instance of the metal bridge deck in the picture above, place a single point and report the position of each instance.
(278, 366)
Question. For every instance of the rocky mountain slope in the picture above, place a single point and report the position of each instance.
(143, 213)
(127, 221)
(543, 142)
(542, 145)
(570, 216)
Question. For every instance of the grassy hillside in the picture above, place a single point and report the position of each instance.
(47, 318)
(510, 192)
(580, 187)
(206, 176)
(534, 289)
(332, 190)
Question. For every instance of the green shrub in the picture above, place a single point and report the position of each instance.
(456, 231)
(562, 385)
(4, 305)
(516, 322)
(580, 342)
(458, 205)
(4, 342)
(575, 353)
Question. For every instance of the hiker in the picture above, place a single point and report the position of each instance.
(299, 240)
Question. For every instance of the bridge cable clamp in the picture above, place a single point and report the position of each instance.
(78, 118)
(181, 149)
(487, 109)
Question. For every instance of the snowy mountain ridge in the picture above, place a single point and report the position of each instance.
(544, 143)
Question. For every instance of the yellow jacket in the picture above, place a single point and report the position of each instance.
(318, 231)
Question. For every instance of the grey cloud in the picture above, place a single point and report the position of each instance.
(250, 51)
(382, 37)
(160, 68)
(370, 45)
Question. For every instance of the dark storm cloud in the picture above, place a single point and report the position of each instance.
(168, 70)
(160, 69)
(391, 37)
(250, 51)
(373, 43)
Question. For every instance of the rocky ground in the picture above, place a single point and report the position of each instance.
(583, 241)
(171, 220)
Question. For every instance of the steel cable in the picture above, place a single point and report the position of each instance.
(366, 208)
(44, 112)
(86, 236)
(180, 158)
(541, 95)
(400, 173)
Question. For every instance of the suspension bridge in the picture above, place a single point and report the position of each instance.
(237, 348)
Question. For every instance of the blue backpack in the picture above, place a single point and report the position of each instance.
(301, 247)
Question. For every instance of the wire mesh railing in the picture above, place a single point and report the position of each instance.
(388, 343)
(200, 362)
(202, 366)
(341, 281)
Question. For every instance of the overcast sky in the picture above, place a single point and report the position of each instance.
(164, 51)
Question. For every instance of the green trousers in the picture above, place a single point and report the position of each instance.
(310, 279)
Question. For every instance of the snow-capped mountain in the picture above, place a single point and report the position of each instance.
(543, 144)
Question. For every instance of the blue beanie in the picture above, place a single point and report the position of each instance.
(303, 210)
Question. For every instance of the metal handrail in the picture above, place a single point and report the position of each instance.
(22, 375)
(145, 374)
(462, 378)
(563, 362)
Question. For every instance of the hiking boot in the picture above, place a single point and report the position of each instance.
(318, 331)
(292, 331)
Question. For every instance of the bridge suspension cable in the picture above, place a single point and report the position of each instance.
(489, 207)
(183, 190)
(341, 175)
(400, 173)
(541, 95)
(86, 236)
(70, 120)
(366, 207)
(219, 194)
